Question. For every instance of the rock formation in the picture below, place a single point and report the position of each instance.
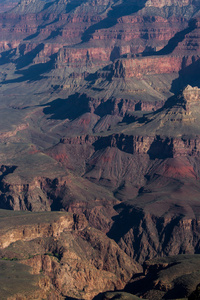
(61, 248)
(169, 277)
(99, 123)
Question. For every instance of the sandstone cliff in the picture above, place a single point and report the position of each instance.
(61, 248)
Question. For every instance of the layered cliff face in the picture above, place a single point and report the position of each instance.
(67, 192)
(122, 35)
(61, 248)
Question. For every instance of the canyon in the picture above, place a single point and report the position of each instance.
(99, 149)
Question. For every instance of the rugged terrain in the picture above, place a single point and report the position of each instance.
(67, 256)
(99, 119)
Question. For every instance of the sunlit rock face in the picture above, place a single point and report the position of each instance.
(191, 96)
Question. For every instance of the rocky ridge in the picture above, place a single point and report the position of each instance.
(53, 244)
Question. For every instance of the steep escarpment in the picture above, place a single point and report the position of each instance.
(67, 192)
(147, 66)
(150, 231)
(56, 245)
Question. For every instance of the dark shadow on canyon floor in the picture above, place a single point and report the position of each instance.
(26, 59)
(70, 108)
(33, 73)
(188, 75)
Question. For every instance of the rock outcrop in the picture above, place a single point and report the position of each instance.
(61, 248)
(172, 277)
(191, 96)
